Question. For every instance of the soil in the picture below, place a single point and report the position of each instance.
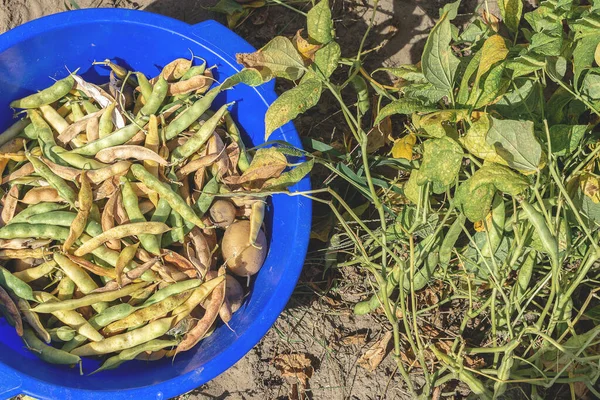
(318, 323)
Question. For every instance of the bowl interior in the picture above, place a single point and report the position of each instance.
(146, 42)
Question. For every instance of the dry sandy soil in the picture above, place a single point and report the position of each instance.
(318, 323)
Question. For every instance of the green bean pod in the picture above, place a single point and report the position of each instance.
(15, 285)
(23, 231)
(46, 96)
(131, 204)
(153, 102)
(105, 124)
(194, 143)
(48, 353)
(58, 183)
(165, 192)
(187, 118)
(233, 131)
(130, 354)
(126, 340)
(548, 240)
(80, 277)
(33, 320)
(117, 138)
(63, 218)
(50, 307)
(494, 232)
(145, 85)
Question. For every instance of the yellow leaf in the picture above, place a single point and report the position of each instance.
(493, 50)
(474, 140)
(597, 54)
(437, 124)
(307, 50)
(480, 226)
(403, 147)
(590, 185)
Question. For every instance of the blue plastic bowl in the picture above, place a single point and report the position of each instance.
(46, 47)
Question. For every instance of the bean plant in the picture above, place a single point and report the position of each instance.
(493, 202)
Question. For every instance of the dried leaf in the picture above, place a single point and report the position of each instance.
(267, 163)
(307, 50)
(296, 366)
(371, 359)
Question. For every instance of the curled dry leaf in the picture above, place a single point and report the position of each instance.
(266, 164)
(197, 164)
(306, 49)
(371, 359)
(295, 366)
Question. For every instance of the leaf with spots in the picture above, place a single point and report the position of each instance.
(278, 58)
(441, 163)
(319, 23)
(438, 62)
(292, 103)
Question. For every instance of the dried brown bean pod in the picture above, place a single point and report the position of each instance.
(194, 335)
(25, 170)
(9, 308)
(198, 82)
(42, 194)
(11, 199)
(114, 170)
(138, 153)
(76, 128)
(196, 164)
(67, 173)
(108, 220)
(181, 263)
(92, 130)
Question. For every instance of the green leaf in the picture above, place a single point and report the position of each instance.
(547, 43)
(526, 64)
(474, 32)
(515, 142)
(503, 179)
(248, 76)
(326, 61)
(411, 189)
(474, 203)
(227, 7)
(278, 58)
(583, 55)
(290, 178)
(590, 87)
(319, 23)
(441, 163)
(408, 72)
(402, 106)
(475, 140)
(511, 11)
(520, 102)
(565, 138)
(291, 103)
(465, 84)
(474, 196)
(425, 92)
(438, 62)
(451, 9)
(556, 105)
(493, 86)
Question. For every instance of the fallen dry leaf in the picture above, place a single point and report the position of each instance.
(371, 359)
(358, 338)
(378, 136)
(295, 366)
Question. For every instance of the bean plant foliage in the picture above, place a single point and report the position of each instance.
(488, 195)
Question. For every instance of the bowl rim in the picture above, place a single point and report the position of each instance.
(229, 44)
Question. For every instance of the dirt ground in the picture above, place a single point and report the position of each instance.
(318, 323)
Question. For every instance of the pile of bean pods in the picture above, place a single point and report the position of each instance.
(129, 212)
